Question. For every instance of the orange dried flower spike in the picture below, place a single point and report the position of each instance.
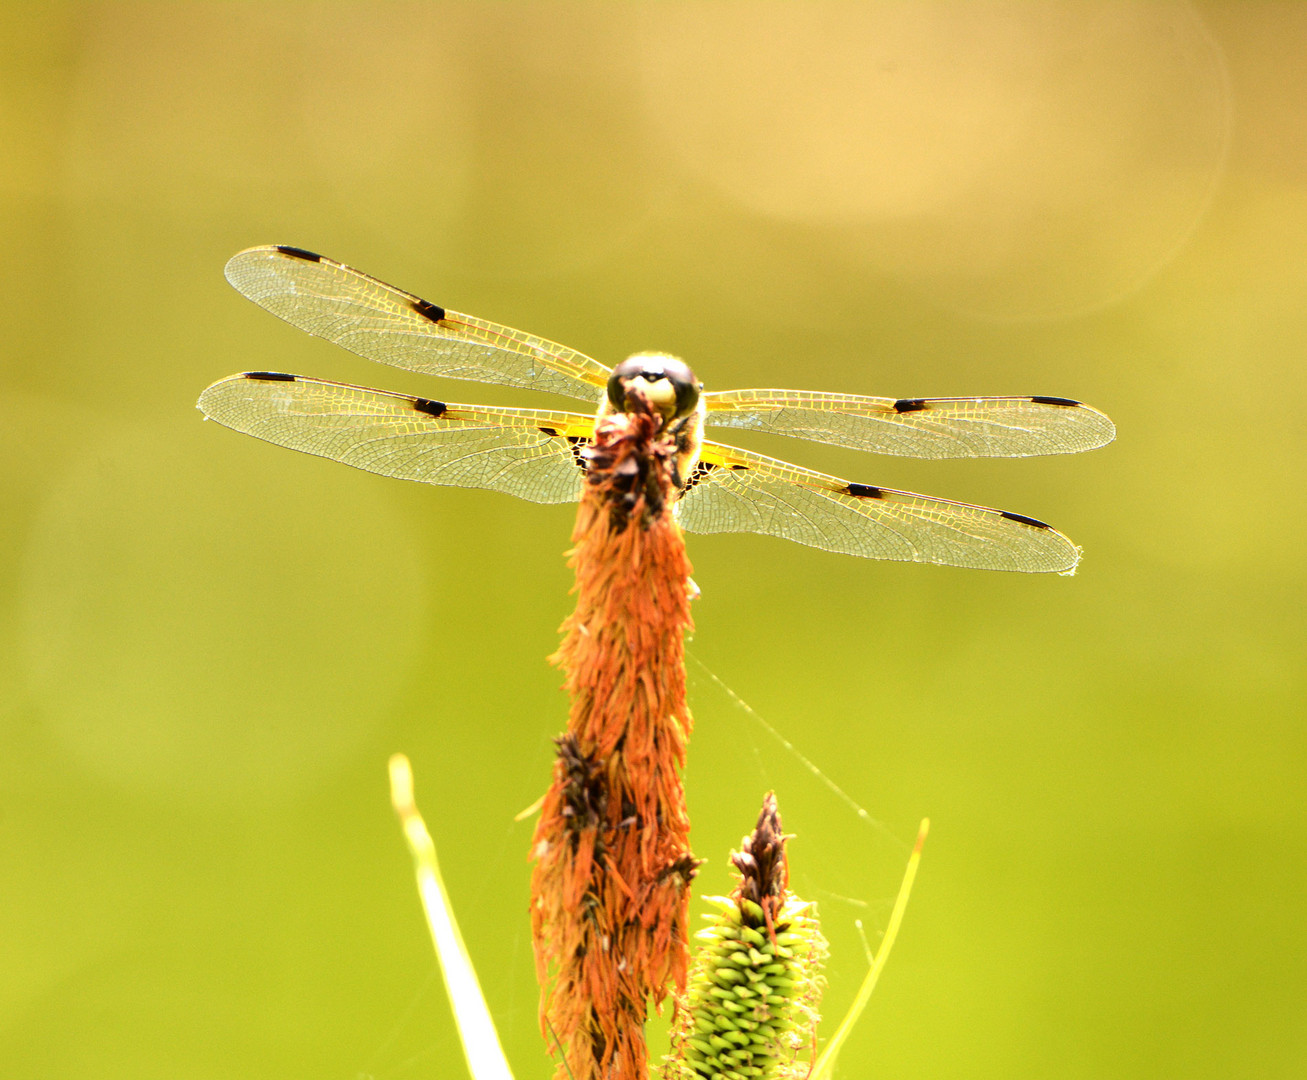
(610, 885)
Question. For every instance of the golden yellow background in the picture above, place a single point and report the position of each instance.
(209, 646)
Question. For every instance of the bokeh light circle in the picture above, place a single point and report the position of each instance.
(1012, 160)
(219, 632)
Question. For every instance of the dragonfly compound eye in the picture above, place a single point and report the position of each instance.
(667, 382)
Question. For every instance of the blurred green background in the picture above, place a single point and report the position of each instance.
(209, 646)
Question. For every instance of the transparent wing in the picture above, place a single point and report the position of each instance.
(380, 322)
(530, 453)
(732, 490)
(918, 427)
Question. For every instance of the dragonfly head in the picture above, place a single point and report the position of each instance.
(665, 382)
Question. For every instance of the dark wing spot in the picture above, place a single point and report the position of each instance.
(576, 443)
(1033, 522)
(579, 444)
(738, 468)
(701, 470)
(299, 253)
(269, 376)
(431, 408)
(863, 491)
(427, 309)
(910, 405)
(1054, 401)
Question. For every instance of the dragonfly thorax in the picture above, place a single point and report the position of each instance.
(666, 382)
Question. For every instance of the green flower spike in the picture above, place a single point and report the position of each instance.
(751, 1000)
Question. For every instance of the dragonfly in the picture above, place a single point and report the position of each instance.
(538, 454)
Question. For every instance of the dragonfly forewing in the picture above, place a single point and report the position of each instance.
(917, 427)
(380, 322)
